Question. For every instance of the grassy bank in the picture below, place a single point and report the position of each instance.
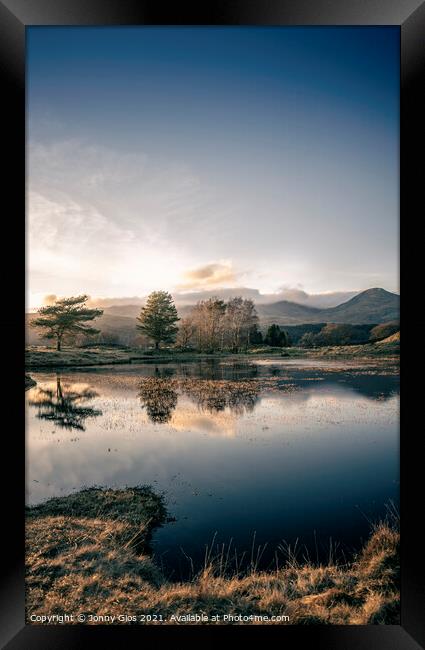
(44, 357)
(89, 554)
(366, 351)
(37, 357)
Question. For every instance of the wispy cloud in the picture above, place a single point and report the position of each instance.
(143, 171)
(157, 198)
(110, 223)
(106, 222)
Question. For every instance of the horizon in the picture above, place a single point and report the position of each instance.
(238, 159)
(324, 300)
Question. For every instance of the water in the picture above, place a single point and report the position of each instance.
(259, 452)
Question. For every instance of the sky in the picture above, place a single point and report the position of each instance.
(191, 159)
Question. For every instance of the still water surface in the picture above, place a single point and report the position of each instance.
(282, 450)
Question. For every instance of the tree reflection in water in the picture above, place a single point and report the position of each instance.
(62, 405)
(159, 395)
(159, 398)
(216, 395)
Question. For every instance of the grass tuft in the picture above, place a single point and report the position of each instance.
(85, 554)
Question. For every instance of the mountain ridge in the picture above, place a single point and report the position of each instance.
(372, 306)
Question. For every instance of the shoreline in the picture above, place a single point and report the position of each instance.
(89, 553)
(38, 358)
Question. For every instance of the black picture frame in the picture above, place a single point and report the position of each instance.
(15, 16)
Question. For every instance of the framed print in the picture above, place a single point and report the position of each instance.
(207, 212)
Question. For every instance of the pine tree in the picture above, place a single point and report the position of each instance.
(275, 336)
(158, 318)
(65, 318)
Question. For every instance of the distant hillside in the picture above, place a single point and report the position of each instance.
(132, 311)
(288, 313)
(111, 325)
(320, 300)
(370, 306)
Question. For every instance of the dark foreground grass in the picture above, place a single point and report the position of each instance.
(89, 554)
(136, 511)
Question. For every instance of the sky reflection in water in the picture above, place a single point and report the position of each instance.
(280, 449)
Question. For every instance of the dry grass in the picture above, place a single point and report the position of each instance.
(39, 357)
(131, 513)
(394, 338)
(388, 349)
(44, 357)
(95, 561)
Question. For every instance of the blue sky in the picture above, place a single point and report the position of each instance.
(200, 158)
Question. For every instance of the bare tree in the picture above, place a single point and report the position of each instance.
(186, 332)
(241, 320)
(250, 320)
(215, 325)
(235, 322)
(208, 319)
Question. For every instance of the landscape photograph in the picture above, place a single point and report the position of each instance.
(212, 326)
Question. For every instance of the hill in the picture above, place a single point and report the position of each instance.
(285, 312)
(129, 311)
(115, 328)
(369, 307)
(373, 306)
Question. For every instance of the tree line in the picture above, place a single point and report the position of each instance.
(346, 334)
(211, 325)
